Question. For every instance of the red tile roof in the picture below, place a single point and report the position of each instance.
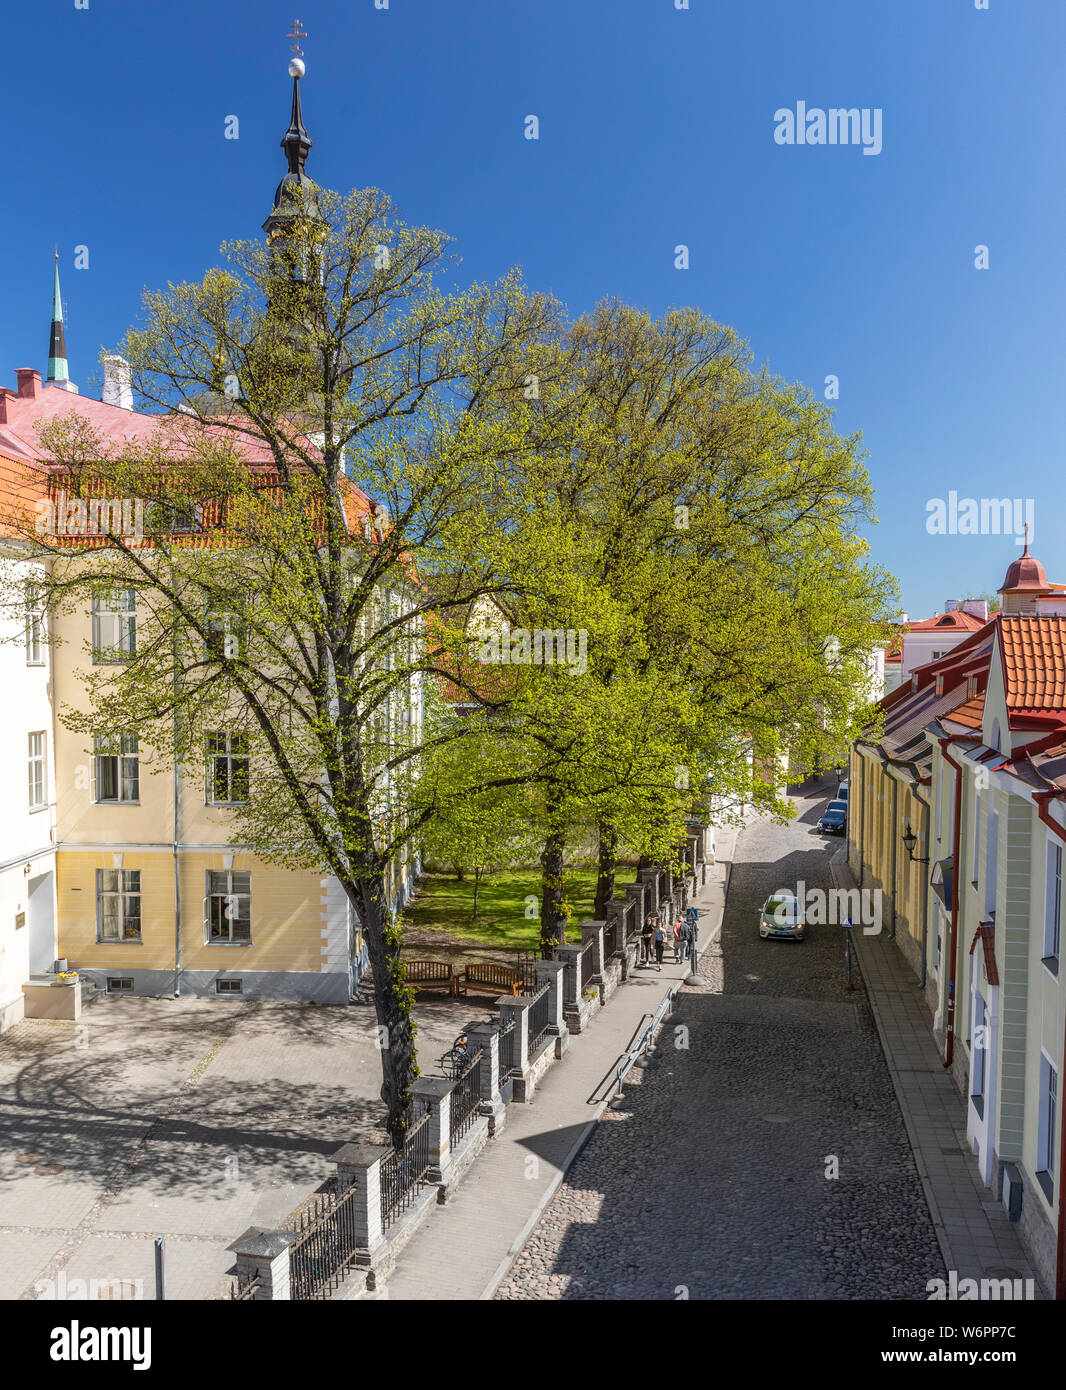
(956, 620)
(1034, 663)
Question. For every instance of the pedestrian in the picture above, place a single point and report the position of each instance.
(688, 937)
(647, 937)
(660, 946)
(677, 940)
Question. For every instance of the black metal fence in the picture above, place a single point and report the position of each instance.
(588, 962)
(326, 1244)
(509, 1058)
(612, 938)
(526, 965)
(245, 1287)
(538, 1018)
(465, 1099)
(403, 1172)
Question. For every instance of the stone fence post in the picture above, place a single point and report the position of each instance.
(436, 1091)
(359, 1173)
(266, 1254)
(487, 1037)
(650, 880)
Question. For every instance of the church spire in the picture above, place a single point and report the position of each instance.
(294, 198)
(58, 374)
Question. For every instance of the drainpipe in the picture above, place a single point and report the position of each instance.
(949, 1022)
(177, 817)
(1040, 800)
(894, 834)
(861, 779)
(927, 876)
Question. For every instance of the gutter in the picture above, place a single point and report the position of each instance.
(949, 1022)
(1040, 800)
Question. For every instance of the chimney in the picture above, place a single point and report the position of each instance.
(903, 618)
(118, 384)
(978, 607)
(29, 382)
(950, 604)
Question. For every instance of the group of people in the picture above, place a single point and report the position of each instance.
(656, 933)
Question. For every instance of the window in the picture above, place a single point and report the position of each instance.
(34, 625)
(976, 833)
(176, 516)
(991, 860)
(971, 687)
(229, 986)
(227, 769)
(1047, 1130)
(1053, 903)
(228, 906)
(979, 1035)
(116, 768)
(118, 904)
(224, 636)
(38, 780)
(120, 984)
(114, 626)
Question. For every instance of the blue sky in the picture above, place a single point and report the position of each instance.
(656, 128)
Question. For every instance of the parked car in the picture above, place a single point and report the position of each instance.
(782, 916)
(842, 791)
(834, 819)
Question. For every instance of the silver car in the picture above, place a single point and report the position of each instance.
(782, 916)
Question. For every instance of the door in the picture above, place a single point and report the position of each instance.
(41, 924)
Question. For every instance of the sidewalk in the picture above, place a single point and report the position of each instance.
(465, 1249)
(975, 1234)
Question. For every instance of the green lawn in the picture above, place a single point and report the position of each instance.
(443, 904)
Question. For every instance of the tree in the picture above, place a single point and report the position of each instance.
(332, 425)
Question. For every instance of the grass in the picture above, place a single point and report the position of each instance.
(444, 904)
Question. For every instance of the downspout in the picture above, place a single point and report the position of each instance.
(894, 834)
(1040, 800)
(949, 1022)
(927, 876)
(860, 768)
(177, 814)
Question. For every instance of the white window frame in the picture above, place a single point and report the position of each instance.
(35, 630)
(114, 626)
(37, 769)
(991, 858)
(229, 756)
(126, 885)
(228, 900)
(125, 750)
(1047, 1131)
(976, 866)
(1052, 900)
(230, 628)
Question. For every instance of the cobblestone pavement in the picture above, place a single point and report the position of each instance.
(711, 1179)
(183, 1118)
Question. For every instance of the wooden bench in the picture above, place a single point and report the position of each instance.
(489, 978)
(429, 974)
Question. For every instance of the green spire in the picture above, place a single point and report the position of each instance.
(57, 345)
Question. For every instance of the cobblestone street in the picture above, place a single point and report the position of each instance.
(711, 1180)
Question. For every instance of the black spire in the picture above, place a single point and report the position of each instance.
(294, 198)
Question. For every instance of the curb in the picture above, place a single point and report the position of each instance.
(838, 866)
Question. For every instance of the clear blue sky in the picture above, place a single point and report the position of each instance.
(656, 128)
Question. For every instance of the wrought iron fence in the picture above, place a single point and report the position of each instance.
(245, 1287)
(465, 1099)
(325, 1247)
(509, 1058)
(588, 962)
(538, 1018)
(526, 966)
(612, 938)
(402, 1173)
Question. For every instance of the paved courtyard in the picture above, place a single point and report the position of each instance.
(189, 1119)
(710, 1182)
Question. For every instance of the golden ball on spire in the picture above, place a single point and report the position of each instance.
(296, 67)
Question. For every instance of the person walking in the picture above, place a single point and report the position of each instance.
(688, 936)
(647, 937)
(677, 939)
(660, 946)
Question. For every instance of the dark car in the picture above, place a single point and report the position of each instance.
(834, 819)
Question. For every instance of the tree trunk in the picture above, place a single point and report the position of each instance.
(477, 889)
(458, 872)
(392, 1005)
(551, 892)
(608, 863)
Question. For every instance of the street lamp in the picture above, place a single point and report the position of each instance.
(909, 842)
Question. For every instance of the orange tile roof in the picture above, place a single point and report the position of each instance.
(957, 619)
(1034, 662)
(971, 713)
